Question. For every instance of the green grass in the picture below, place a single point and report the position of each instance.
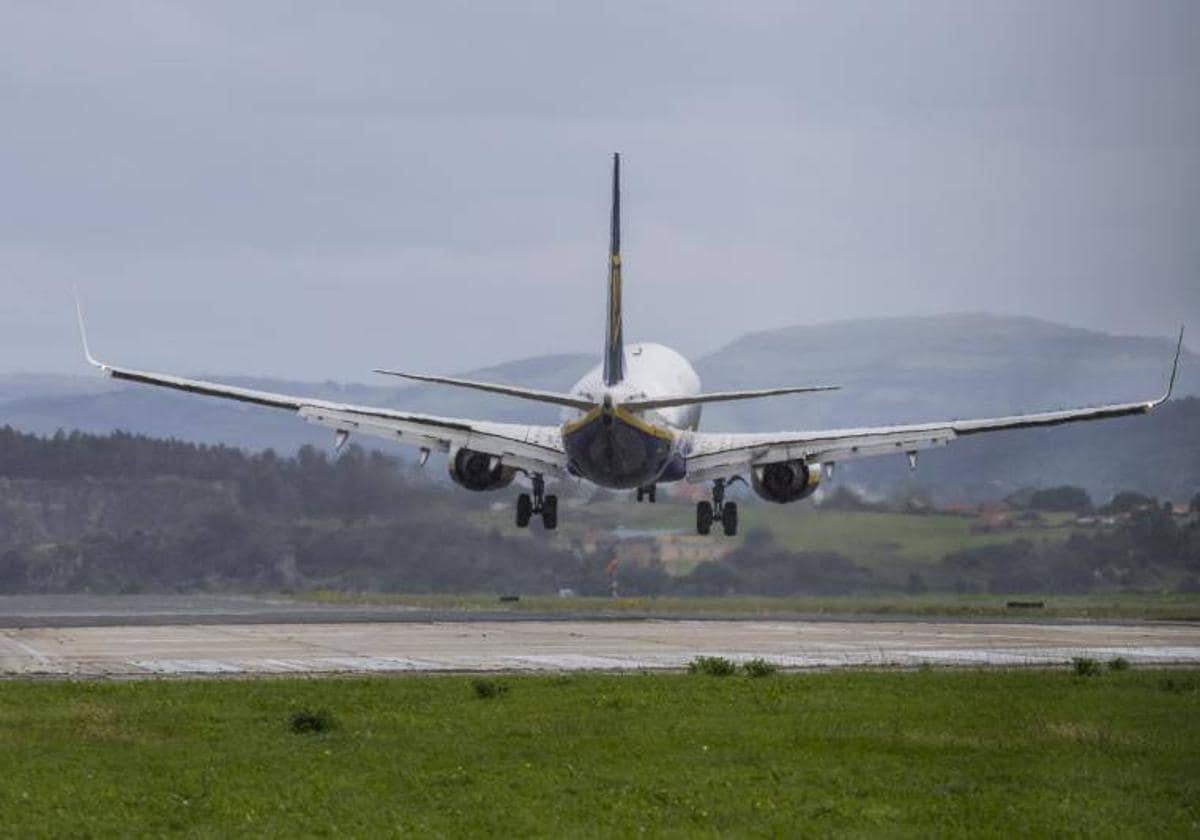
(877, 540)
(884, 542)
(1145, 606)
(1000, 753)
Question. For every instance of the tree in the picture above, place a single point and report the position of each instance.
(1128, 501)
(1064, 499)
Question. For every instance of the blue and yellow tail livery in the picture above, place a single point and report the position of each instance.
(614, 341)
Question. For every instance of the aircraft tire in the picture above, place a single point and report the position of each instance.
(729, 518)
(704, 518)
(550, 512)
(524, 510)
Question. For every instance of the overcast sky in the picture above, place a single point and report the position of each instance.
(302, 190)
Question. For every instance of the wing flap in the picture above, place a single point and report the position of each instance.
(716, 456)
(532, 448)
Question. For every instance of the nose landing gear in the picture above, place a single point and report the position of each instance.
(648, 493)
(717, 510)
(539, 504)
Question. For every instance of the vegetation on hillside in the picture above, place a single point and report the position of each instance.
(123, 513)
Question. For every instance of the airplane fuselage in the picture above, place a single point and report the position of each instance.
(621, 449)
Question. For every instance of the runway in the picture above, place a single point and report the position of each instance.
(358, 647)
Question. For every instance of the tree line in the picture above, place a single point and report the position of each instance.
(126, 513)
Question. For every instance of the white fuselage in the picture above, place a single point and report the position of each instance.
(651, 370)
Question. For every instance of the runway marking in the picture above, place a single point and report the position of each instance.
(186, 666)
(374, 663)
(580, 662)
(22, 648)
(543, 646)
(986, 657)
(1152, 654)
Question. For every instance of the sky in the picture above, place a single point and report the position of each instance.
(312, 190)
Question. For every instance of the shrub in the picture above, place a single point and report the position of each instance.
(307, 721)
(713, 666)
(1066, 499)
(1085, 666)
(1120, 663)
(488, 689)
(759, 668)
(1178, 685)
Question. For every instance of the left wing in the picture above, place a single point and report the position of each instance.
(715, 455)
(531, 448)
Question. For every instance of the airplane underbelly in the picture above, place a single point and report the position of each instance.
(616, 452)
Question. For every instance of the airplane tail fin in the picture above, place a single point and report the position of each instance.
(614, 341)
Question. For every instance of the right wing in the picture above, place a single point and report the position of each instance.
(530, 448)
(717, 455)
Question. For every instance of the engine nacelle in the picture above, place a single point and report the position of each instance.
(786, 481)
(479, 471)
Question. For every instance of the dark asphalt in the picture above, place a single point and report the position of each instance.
(83, 610)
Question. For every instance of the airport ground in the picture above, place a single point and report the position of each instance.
(208, 715)
(1147, 606)
(1030, 752)
(92, 636)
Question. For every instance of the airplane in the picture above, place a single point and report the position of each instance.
(632, 422)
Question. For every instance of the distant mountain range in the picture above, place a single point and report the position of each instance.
(892, 370)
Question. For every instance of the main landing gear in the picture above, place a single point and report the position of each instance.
(717, 510)
(648, 493)
(540, 504)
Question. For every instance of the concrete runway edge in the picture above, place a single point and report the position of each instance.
(142, 651)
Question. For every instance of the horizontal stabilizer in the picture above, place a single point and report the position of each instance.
(721, 396)
(507, 390)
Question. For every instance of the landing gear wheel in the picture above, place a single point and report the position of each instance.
(550, 512)
(704, 518)
(524, 510)
(652, 493)
(729, 518)
(641, 493)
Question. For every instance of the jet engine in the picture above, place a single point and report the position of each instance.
(479, 471)
(786, 481)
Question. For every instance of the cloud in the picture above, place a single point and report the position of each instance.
(430, 182)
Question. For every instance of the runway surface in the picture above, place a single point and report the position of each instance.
(152, 636)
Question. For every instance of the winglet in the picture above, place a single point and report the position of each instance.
(87, 353)
(1174, 367)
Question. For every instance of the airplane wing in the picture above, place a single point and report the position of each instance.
(716, 455)
(531, 448)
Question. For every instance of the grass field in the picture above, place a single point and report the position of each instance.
(877, 540)
(884, 542)
(1142, 606)
(997, 753)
